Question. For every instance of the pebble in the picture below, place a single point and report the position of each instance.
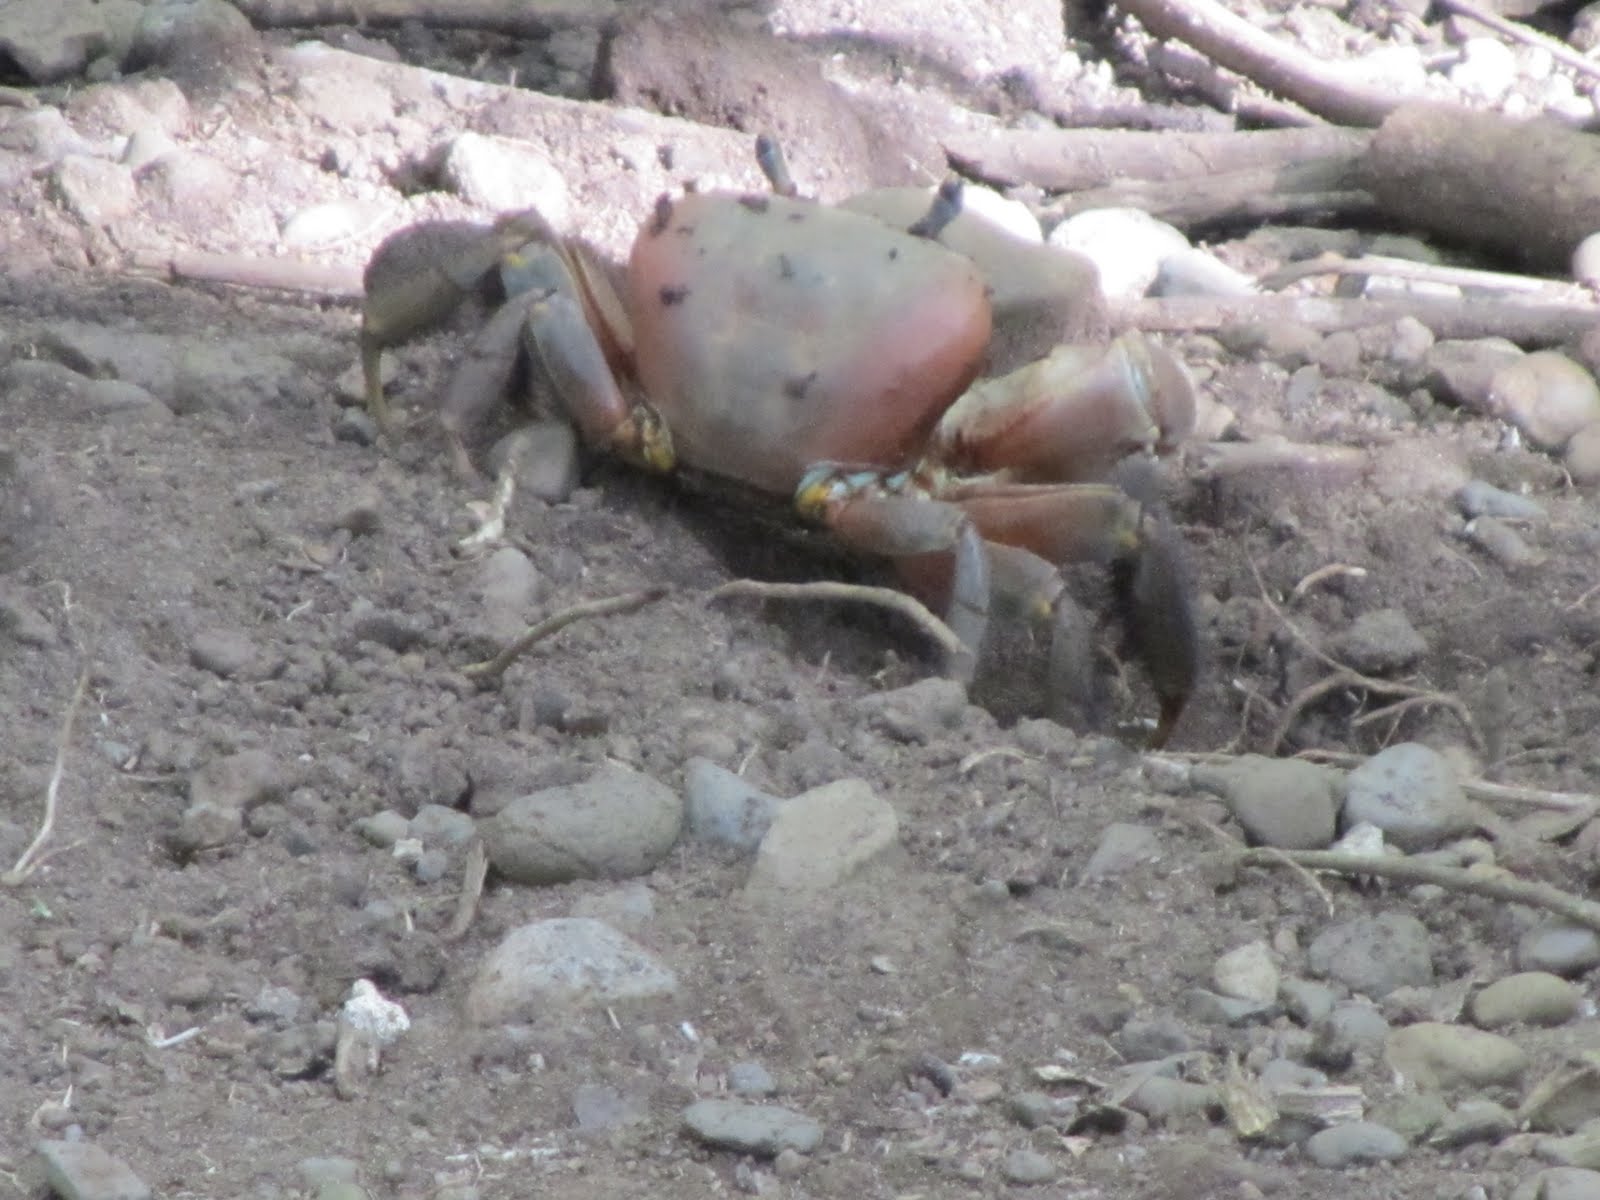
(1459, 371)
(84, 1171)
(1380, 641)
(723, 808)
(1166, 1101)
(1502, 543)
(1247, 972)
(1280, 802)
(564, 961)
(1547, 396)
(1581, 1149)
(1527, 998)
(1355, 1142)
(187, 188)
(384, 828)
(822, 837)
(223, 652)
(1477, 498)
(1121, 847)
(503, 174)
(616, 824)
(918, 713)
(1027, 1167)
(1374, 955)
(1565, 950)
(598, 1108)
(1565, 1101)
(1126, 245)
(1306, 1000)
(1209, 1008)
(97, 192)
(1434, 1054)
(1474, 1121)
(1409, 792)
(1583, 455)
(1560, 1183)
(751, 1079)
(508, 584)
(629, 907)
(1413, 1115)
(315, 1172)
(1191, 271)
(546, 460)
(761, 1129)
(1145, 1039)
(322, 224)
(440, 825)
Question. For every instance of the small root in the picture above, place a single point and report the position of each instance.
(611, 606)
(34, 855)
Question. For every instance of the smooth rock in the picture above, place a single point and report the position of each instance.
(1580, 1149)
(1501, 542)
(761, 1129)
(1247, 972)
(598, 1108)
(1374, 955)
(1547, 396)
(1565, 1100)
(83, 1171)
(223, 652)
(1559, 1183)
(1126, 245)
(563, 962)
(51, 40)
(1474, 1121)
(1411, 793)
(1479, 499)
(1355, 1142)
(1433, 1054)
(822, 837)
(383, 828)
(1280, 802)
(616, 824)
(1306, 1000)
(629, 906)
(751, 1079)
(503, 174)
(440, 825)
(1460, 372)
(543, 457)
(1165, 1100)
(1380, 641)
(1027, 1167)
(917, 713)
(1121, 847)
(97, 192)
(1527, 998)
(1192, 271)
(1565, 950)
(1582, 457)
(723, 808)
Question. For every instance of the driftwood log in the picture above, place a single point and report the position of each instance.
(1527, 189)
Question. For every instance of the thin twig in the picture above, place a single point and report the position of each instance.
(907, 606)
(1461, 879)
(1480, 789)
(1326, 572)
(611, 606)
(1563, 54)
(473, 877)
(1550, 291)
(33, 855)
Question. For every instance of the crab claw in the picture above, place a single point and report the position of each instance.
(1072, 415)
(1153, 595)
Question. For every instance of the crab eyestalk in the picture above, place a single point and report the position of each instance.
(769, 156)
(946, 207)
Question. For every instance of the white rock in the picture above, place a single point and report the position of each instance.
(1126, 245)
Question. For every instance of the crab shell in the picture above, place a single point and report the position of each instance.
(772, 334)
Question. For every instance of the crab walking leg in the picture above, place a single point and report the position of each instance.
(1035, 526)
(561, 339)
(935, 547)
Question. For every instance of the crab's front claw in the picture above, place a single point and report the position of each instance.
(1155, 601)
(419, 275)
(1072, 415)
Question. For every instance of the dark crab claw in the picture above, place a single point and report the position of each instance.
(1154, 599)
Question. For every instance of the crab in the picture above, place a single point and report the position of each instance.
(827, 355)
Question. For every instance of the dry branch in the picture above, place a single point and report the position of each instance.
(611, 606)
(519, 18)
(1069, 160)
(1318, 187)
(1278, 67)
(1529, 189)
(1461, 879)
(245, 270)
(1528, 325)
(1536, 287)
(30, 858)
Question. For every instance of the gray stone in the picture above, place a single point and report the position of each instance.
(917, 713)
(224, 652)
(1374, 955)
(723, 808)
(1459, 372)
(1474, 1121)
(1143, 1039)
(315, 1172)
(616, 824)
(1247, 972)
(51, 40)
(1580, 1149)
(1281, 802)
(1122, 846)
(439, 825)
(751, 1079)
(1477, 498)
(1566, 1100)
(629, 906)
(598, 1108)
(1166, 1101)
(1434, 1054)
(1560, 1183)
(1380, 641)
(762, 1129)
(1306, 1000)
(565, 962)
(1413, 1115)
(1565, 950)
(501, 174)
(1355, 1142)
(83, 1171)
(822, 837)
(1027, 1167)
(508, 585)
(97, 192)
(187, 188)
(1527, 998)
(1409, 792)
(383, 829)
(1352, 1029)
